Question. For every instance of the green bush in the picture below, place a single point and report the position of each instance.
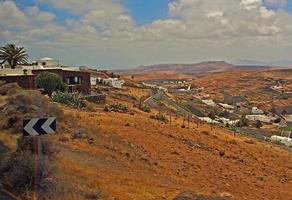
(145, 108)
(70, 99)
(18, 170)
(258, 124)
(243, 121)
(116, 108)
(159, 117)
(50, 82)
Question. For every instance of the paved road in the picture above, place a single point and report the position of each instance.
(4, 196)
(160, 95)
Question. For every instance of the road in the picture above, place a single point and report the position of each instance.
(160, 95)
(4, 196)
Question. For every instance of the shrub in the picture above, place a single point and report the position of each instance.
(116, 108)
(278, 120)
(70, 99)
(145, 108)
(26, 104)
(243, 121)
(159, 117)
(50, 82)
(224, 114)
(18, 170)
(212, 115)
(9, 88)
(258, 124)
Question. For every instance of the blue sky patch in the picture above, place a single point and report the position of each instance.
(146, 11)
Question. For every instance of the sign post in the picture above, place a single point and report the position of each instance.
(35, 128)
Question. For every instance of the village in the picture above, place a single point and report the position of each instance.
(145, 100)
(233, 112)
(99, 117)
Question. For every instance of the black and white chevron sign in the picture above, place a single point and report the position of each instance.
(39, 126)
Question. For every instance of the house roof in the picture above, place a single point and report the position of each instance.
(46, 59)
(284, 109)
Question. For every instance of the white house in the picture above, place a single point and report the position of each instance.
(208, 120)
(284, 140)
(256, 110)
(209, 102)
(46, 62)
(226, 121)
(114, 82)
(262, 118)
(227, 106)
(93, 80)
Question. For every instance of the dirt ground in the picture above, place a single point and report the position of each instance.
(131, 156)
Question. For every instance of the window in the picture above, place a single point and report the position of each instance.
(74, 80)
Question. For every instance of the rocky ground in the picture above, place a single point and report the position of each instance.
(125, 156)
(130, 156)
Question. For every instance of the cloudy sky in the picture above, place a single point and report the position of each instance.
(127, 33)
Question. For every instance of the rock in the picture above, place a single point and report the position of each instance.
(80, 134)
(192, 196)
(90, 140)
(91, 195)
(221, 153)
(226, 194)
(249, 141)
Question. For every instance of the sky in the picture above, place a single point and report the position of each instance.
(118, 34)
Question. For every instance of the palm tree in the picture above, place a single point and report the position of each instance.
(13, 55)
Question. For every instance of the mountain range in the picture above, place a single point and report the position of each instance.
(198, 68)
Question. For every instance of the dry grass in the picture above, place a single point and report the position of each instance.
(150, 160)
(25, 104)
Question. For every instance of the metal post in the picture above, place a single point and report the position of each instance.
(37, 168)
(184, 121)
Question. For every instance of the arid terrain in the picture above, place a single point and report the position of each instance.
(113, 155)
(254, 85)
(134, 157)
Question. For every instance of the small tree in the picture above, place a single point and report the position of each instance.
(258, 124)
(212, 115)
(50, 82)
(243, 121)
(13, 55)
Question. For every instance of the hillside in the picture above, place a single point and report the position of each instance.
(129, 156)
(195, 69)
(254, 85)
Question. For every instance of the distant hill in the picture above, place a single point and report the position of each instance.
(198, 68)
(248, 62)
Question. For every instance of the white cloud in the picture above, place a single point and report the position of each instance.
(201, 28)
(250, 4)
(11, 16)
(35, 14)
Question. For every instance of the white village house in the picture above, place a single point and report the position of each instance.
(257, 111)
(114, 82)
(46, 62)
(262, 118)
(209, 102)
(227, 106)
